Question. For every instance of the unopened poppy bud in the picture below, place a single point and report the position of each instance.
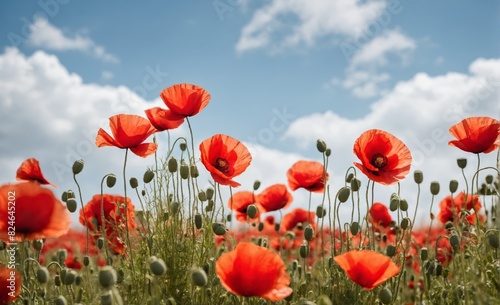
(184, 171)
(107, 276)
(252, 211)
(209, 206)
(320, 211)
(183, 146)
(69, 277)
(455, 242)
(494, 240)
(71, 204)
(175, 207)
(202, 196)
(38, 244)
(355, 184)
(199, 278)
(110, 180)
(439, 269)
(86, 260)
(210, 193)
(489, 179)
(148, 176)
(462, 162)
(158, 267)
(172, 165)
(453, 186)
(78, 280)
(134, 183)
(295, 264)
(100, 243)
(77, 167)
(344, 193)
(434, 187)
(290, 235)
(424, 254)
(390, 250)
(385, 296)
(418, 176)
(308, 233)
(403, 205)
(57, 280)
(62, 255)
(60, 300)
(394, 204)
(107, 298)
(349, 178)
(304, 250)
(405, 222)
(321, 145)
(64, 196)
(256, 185)
(193, 170)
(218, 228)
(328, 152)
(276, 227)
(198, 221)
(260, 226)
(42, 275)
(354, 228)
(449, 226)
(70, 194)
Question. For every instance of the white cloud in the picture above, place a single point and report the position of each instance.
(283, 24)
(107, 75)
(45, 35)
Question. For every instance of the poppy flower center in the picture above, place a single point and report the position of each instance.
(222, 165)
(378, 160)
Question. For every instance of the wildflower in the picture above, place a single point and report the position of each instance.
(38, 213)
(275, 197)
(253, 271)
(129, 131)
(384, 158)
(379, 215)
(164, 119)
(185, 99)
(292, 219)
(8, 294)
(451, 209)
(30, 170)
(367, 268)
(225, 158)
(476, 134)
(309, 175)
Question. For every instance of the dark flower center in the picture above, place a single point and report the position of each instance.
(222, 165)
(378, 160)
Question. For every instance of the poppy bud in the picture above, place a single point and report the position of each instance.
(57, 280)
(42, 275)
(209, 206)
(62, 255)
(148, 176)
(107, 276)
(100, 243)
(349, 177)
(328, 152)
(390, 250)
(489, 179)
(344, 193)
(175, 207)
(252, 211)
(78, 280)
(183, 146)
(449, 226)
(184, 171)
(453, 186)
(229, 217)
(86, 260)
(134, 183)
(70, 194)
(355, 184)
(77, 167)
(354, 227)
(71, 204)
(69, 277)
(64, 196)
(321, 145)
(256, 185)
(206, 267)
(193, 170)
(172, 165)
(394, 204)
(218, 228)
(110, 180)
(494, 240)
(38, 244)
(405, 222)
(290, 235)
(158, 267)
(434, 187)
(198, 221)
(107, 298)
(308, 233)
(304, 250)
(418, 176)
(60, 300)
(202, 196)
(455, 242)
(424, 254)
(260, 226)
(439, 269)
(320, 211)
(462, 162)
(276, 227)
(199, 278)
(385, 296)
(295, 264)
(210, 193)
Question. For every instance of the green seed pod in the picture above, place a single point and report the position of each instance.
(462, 163)
(198, 221)
(69, 277)
(107, 277)
(64, 196)
(219, 228)
(355, 184)
(385, 296)
(309, 233)
(304, 250)
(210, 193)
(158, 267)
(199, 277)
(184, 171)
(62, 255)
(256, 185)
(110, 180)
(60, 300)
(455, 242)
(489, 179)
(252, 211)
(349, 178)
(434, 187)
(86, 260)
(343, 194)
(77, 167)
(70, 194)
(328, 152)
(354, 227)
(321, 145)
(394, 203)
(403, 205)
(38, 244)
(183, 146)
(453, 186)
(418, 176)
(148, 176)
(494, 240)
(72, 205)
(202, 196)
(320, 211)
(107, 298)
(405, 222)
(134, 183)
(390, 250)
(42, 275)
(172, 165)
(100, 243)
(193, 171)
(424, 254)
(260, 226)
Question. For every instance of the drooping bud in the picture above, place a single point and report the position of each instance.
(134, 183)
(42, 275)
(434, 188)
(355, 184)
(72, 205)
(199, 277)
(183, 146)
(172, 165)
(77, 167)
(110, 180)
(321, 145)
(453, 186)
(256, 185)
(107, 276)
(349, 178)
(344, 194)
(308, 233)
(418, 176)
(148, 176)
(462, 162)
(385, 296)
(252, 211)
(219, 228)
(158, 267)
(489, 179)
(38, 244)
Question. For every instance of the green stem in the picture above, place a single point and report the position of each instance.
(129, 244)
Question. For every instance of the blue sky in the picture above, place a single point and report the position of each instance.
(321, 68)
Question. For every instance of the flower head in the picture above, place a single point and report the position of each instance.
(384, 158)
(30, 170)
(225, 158)
(129, 131)
(293, 218)
(379, 215)
(476, 134)
(275, 197)
(309, 175)
(253, 271)
(185, 99)
(452, 209)
(164, 119)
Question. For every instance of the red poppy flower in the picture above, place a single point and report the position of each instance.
(275, 197)
(30, 170)
(450, 210)
(129, 131)
(10, 284)
(164, 119)
(476, 134)
(38, 213)
(114, 219)
(379, 215)
(225, 158)
(239, 203)
(367, 268)
(384, 158)
(185, 99)
(310, 175)
(292, 219)
(253, 271)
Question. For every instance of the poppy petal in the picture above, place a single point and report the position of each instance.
(144, 149)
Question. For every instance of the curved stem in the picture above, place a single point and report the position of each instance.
(129, 244)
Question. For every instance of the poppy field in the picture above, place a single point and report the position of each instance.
(174, 241)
